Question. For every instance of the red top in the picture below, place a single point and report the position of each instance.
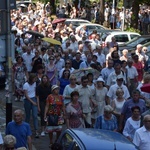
(55, 104)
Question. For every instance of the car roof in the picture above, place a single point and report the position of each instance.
(95, 138)
(68, 19)
(123, 32)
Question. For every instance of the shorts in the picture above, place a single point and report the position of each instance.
(50, 129)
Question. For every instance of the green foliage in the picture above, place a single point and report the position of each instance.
(130, 29)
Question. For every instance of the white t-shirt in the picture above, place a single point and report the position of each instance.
(30, 89)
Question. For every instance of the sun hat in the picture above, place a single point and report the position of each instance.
(54, 87)
(100, 79)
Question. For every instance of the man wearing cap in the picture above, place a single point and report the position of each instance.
(113, 88)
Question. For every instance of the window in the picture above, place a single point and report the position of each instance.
(66, 141)
(133, 36)
(121, 38)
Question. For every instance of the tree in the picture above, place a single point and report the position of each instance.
(134, 17)
(101, 11)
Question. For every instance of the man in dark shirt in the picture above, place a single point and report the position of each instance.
(77, 61)
(36, 60)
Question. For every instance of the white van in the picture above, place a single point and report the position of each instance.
(121, 36)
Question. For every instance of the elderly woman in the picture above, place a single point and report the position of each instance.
(100, 96)
(74, 112)
(124, 55)
(9, 142)
(107, 121)
(132, 123)
(54, 109)
(19, 77)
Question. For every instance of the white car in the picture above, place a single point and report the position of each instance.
(120, 36)
(76, 22)
(92, 26)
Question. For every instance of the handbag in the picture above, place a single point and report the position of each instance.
(53, 120)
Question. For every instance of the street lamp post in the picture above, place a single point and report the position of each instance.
(9, 64)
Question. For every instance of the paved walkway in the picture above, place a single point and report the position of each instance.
(41, 143)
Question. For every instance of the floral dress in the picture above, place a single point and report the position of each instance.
(55, 106)
(75, 115)
(20, 78)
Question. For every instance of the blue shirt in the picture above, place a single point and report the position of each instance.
(20, 132)
(126, 109)
(101, 123)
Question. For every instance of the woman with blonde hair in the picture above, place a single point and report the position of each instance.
(69, 89)
(118, 103)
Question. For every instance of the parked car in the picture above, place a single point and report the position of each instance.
(76, 22)
(121, 36)
(94, 139)
(91, 26)
(131, 45)
(24, 5)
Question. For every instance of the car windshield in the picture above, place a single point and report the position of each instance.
(134, 42)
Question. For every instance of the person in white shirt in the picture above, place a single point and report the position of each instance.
(132, 123)
(100, 56)
(119, 84)
(27, 58)
(132, 76)
(59, 63)
(113, 76)
(94, 42)
(87, 63)
(73, 44)
(140, 53)
(142, 135)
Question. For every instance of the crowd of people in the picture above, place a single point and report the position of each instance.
(44, 79)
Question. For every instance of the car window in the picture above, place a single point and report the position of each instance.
(135, 41)
(121, 38)
(99, 27)
(76, 146)
(90, 27)
(133, 36)
(104, 36)
(66, 141)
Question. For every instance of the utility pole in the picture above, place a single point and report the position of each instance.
(9, 66)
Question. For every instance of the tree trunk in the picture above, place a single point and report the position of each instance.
(135, 10)
(101, 10)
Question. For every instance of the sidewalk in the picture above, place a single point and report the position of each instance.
(15, 105)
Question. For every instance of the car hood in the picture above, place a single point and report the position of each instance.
(104, 139)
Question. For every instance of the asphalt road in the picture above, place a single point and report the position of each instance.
(41, 143)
